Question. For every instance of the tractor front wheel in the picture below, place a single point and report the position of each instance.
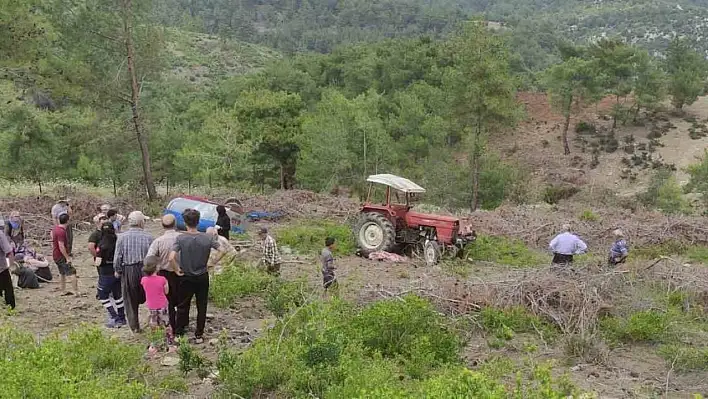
(431, 253)
(375, 233)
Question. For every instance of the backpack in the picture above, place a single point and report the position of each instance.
(107, 242)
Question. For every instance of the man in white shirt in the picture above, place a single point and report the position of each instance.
(565, 245)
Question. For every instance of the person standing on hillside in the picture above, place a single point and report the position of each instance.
(62, 242)
(565, 245)
(109, 287)
(7, 259)
(223, 222)
(328, 268)
(193, 249)
(161, 248)
(271, 256)
(61, 207)
(131, 249)
(217, 255)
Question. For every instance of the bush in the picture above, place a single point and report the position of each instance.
(643, 326)
(684, 357)
(505, 322)
(284, 296)
(699, 178)
(391, 349)
(309, 236)
(85, 364)
(664, 193)
(555, 193)
(238, 281)
(505, 251)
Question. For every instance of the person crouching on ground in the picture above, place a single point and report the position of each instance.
(619, 250)
(328, 268)
(193, 249)
(565, 245)
(156, 290)
(131, 249)
(271, 256)
(62, 239)
(109, 290)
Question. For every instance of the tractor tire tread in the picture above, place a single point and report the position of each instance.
(389, 239)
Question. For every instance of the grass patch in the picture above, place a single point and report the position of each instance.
(85, 364)
(238, 281)
(505, 251)
(698, 254)
(389, 349)
(685, 357)
(589, 216)
(643, 326)
(664, 249)
(309, 236)
(504, 323)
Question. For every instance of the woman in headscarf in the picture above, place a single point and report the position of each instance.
(15, 229)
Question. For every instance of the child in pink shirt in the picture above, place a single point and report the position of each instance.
(156, 290)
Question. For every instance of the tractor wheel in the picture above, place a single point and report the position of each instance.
(431, 253)
(374, 233)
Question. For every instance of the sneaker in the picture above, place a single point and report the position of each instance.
(198, 340)
(112, 323)
(122, 322)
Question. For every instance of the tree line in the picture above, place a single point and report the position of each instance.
(88, 95)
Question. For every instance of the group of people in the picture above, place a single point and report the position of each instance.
(566, 245)
(165, 273)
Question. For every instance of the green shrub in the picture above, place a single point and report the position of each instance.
(189, 360)
(309, 236)
(589, 216)
(699, 178)
(505, 251)
(392, 349)
(173, 383)
(643, 326)
(85, 364)
(505, 322)
(284, 296)
(664, 193)
(238, 281)
(406, 328)
(555, 193)
(685, 357)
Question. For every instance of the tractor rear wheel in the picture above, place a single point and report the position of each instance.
(374, 233)
(431, 253)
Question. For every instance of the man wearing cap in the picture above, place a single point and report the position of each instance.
(61, 207)
(131, 248)
(161, 248)
(271, 256)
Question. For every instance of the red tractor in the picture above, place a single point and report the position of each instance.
(391, 226)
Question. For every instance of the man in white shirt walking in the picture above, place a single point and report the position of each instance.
(565, 245)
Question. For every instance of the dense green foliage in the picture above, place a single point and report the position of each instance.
(504, 251)
(83, 365)
(390, 349)
(213, 111)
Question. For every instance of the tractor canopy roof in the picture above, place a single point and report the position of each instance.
(399, 183)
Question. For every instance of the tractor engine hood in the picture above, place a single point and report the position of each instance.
(414, 219)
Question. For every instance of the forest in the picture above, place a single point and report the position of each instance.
(104, 93)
